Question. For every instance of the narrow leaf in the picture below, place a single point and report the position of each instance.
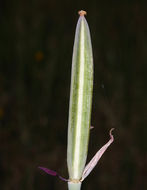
(90, 166)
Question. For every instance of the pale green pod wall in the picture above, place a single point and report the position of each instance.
(80, 101)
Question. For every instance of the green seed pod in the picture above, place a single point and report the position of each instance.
(80, 101)
(80, 110)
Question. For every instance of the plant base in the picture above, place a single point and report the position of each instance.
(74, 186)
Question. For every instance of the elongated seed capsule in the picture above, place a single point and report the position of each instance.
(80, 101)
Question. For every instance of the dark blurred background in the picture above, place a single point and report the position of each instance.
(36, 41)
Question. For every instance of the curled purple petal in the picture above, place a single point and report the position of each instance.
(62, 178)
(53, 173)
(89, 167)
(48, 171)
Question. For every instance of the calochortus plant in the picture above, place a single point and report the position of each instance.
(80, 110)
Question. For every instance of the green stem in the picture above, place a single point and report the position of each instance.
(74, 186)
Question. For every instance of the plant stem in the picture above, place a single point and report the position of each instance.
(74, 186)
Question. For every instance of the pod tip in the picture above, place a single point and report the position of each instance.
(82, 13)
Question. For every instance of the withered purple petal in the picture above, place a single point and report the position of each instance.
(62, 178)
(89, 167)
(53, 173)
(48, 171)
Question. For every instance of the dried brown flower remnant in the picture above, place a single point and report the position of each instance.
(82, 13)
